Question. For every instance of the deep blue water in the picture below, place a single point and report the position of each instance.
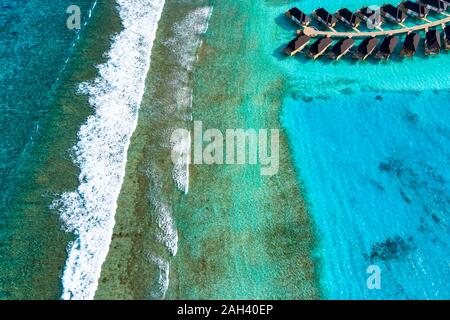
(35, 46)
(377, 177)
(371, 145)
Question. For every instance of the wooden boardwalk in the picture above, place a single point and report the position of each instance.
(315, 33)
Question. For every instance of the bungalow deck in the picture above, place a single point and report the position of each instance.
(341, 48)
(325, 18)
(297, 45)
(432, 42)
(366, 48)
(319, 47)
(447, 37)
(410, 45)
(394, 14)
(387, 47)
(419, 9)
(415, 9)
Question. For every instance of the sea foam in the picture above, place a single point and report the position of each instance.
(186, 40)
(183, 43)
(163, 278)
(101, 151)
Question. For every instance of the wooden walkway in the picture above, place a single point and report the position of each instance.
(315, 33)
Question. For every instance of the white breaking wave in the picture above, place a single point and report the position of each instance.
(101, 152)
(181, 146)
(188, 36)
(167, 231)
(163, 279)
(184, 45)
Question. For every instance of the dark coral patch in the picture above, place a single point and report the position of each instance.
(394, 248)
(411, 117)
(347, 91)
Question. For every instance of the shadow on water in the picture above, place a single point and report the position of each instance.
(279, 54)
(283, 22)
(301, 57)
(327, 60)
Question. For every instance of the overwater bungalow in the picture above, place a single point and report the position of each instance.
(394, 14)
(348, 17)
(410, 45)
(432, 42)
(319, 47)
(435, 5)
(298, 16)
(369, 15)
(366, 48)
(324, 17)
(341, 48)
(447, 37)
(387, 47)
(415, 9)
(297, 45)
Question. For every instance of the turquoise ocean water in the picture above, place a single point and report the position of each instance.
(370, 142)
(35, 49)
(371, 145)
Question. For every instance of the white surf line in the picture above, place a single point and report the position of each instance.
(163, 279)
(101, 151)
(184, 45)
